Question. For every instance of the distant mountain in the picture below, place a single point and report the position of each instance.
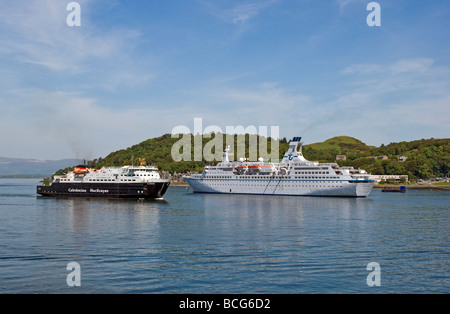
(22, 167)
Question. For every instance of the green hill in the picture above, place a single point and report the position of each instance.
(158, 151)
(340, 145)
(425, 158)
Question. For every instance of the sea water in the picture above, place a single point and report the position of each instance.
(195, 243)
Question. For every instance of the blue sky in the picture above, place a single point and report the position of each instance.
(136, 69)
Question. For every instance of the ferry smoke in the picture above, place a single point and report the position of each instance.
(65, 118)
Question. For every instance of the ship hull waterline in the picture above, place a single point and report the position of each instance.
(360, 189)
(147, 190)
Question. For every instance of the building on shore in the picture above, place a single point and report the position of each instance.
(398, 178)
(382, 157)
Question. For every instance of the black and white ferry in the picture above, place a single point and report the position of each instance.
(141, 182)
(294, 175)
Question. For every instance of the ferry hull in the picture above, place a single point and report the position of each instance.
(281, 187)
(148, 190)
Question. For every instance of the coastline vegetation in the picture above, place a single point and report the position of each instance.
(158, 151)
(442, 184)
(419, 159)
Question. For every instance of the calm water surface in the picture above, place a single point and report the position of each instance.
(193, 243)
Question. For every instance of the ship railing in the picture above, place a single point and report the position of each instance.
(308, 163)
(360, 177)
(332, 164)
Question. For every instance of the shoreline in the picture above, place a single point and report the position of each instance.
(415, 186)
(182, 184)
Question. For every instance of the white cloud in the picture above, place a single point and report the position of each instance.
(51, 125)
(344, 3)
(56, 125)
(239, 12)
(417, 65)
(363, 69)
(54, 117)
(246, 11)
(413, 65)
(263, 105)
(418, 76)
(404, 100)
(36, 33)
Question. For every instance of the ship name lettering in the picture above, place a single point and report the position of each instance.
(77, 191)
(99, 191)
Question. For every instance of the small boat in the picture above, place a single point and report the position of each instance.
(401, 189)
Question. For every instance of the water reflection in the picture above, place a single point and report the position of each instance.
(287, 206)
(205, 243)
(83, 216)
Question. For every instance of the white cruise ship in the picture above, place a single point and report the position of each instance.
(294, 175)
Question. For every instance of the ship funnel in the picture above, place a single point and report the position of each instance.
(294, 153)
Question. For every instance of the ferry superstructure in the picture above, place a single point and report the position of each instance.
(294, 175)
(110, 182)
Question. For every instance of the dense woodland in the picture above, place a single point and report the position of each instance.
(426, 158)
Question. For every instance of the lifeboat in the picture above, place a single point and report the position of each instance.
(80, 170)
(266, 168)
(241, 169)
(83, 170)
